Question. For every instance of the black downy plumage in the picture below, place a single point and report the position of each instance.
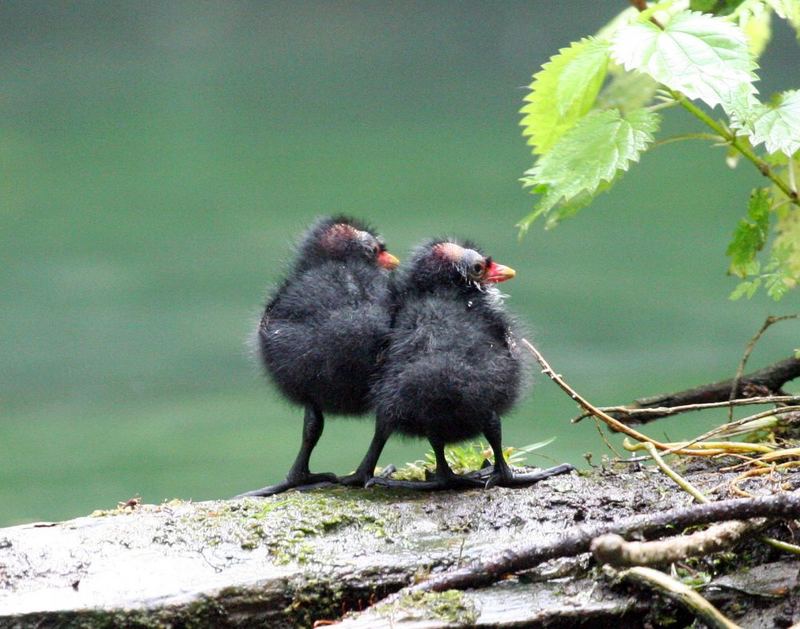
(452, 367)
(323, 329)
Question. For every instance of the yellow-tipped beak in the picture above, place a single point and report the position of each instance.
(499, 273)
(387, 260)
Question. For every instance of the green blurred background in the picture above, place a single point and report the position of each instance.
(158, 158)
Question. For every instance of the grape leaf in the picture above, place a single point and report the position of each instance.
(777, 124)
(587, 158)
(563, 91)
(750, 235)
(697, 54)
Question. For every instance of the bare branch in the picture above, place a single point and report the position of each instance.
(627, 412)
(770, 320)
(615, 551)
(767, 380)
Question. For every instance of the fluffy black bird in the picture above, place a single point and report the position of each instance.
(452, 367)
(323, 329)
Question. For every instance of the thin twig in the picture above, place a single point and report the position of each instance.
(664, 411)
(688, 136)
(679, 480)
(685, 595)
(769, 321)
(739, 422)
(605, 417)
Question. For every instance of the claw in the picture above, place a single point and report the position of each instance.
(300, 483)
(527, 478)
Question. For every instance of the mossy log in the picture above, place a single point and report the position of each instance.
(298, 558)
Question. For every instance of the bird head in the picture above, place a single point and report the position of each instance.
(344, 238)
(449, 263)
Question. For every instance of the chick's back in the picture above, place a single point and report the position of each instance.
(322, 333)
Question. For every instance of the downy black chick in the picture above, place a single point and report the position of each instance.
(323, 329)
(452, 367)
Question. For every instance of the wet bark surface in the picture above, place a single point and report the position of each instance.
(297, 558)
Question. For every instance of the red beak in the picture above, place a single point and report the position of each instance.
(499, 273)
(387, 260)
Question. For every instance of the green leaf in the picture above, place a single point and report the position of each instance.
(788, 10)
(717, 7)
(563, 91)
(754, 18)
(702, 56)
(627, 91)
(745, 289)
(787, 240)
(777, 124)
(750, 235)
(587, 158)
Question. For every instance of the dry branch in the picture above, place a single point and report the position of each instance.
(616, 551)
(766, 381)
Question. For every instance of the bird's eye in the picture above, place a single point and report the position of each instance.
(477, 268)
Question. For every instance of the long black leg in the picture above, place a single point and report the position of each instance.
(299, 476)
(501, 474)
(443, 478)
(366, 469)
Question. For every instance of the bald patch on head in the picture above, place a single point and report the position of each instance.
(449, 250)
(336, 235)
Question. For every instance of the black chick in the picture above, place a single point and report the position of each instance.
(323, 329)
(452, 366)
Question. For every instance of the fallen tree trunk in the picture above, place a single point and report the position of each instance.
(297, 558)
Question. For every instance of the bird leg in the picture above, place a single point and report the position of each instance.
(443, 477)
(366, 470)
(500, 473)
(299, 476)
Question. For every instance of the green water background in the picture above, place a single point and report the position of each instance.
(158, 159)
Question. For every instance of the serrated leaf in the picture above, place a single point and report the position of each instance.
(787, 240)
(777, 124)
(745, 289)
(755, 20)
(788, 10)
(563, 91)
(627, 91)
(717, 7)
(700, 55)
(626, 16)
(587, 157)
(750, 235)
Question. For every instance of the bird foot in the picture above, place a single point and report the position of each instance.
(520, 479)
(360, 479)
(298, 483)
(437, 483)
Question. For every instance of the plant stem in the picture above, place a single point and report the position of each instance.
(689, 136)
(731, 139)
